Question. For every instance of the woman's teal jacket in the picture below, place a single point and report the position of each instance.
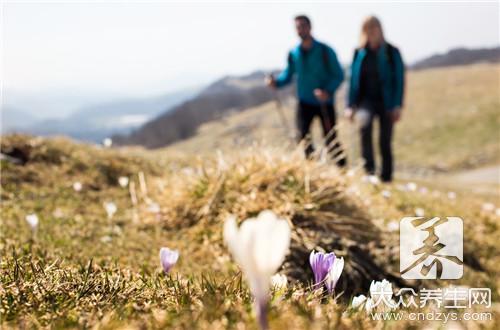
(391, 73)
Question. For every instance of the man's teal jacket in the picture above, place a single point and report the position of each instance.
(315, 68)
(391, 72)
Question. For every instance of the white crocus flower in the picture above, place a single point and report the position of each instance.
(373, 179)
(393, 225)
(77, 186)
(380, 297)
(334, 274)
(123, 181)
(279, 281)
(358, 301)
(32, 220)
(259, 246)
(411, 186)
(386, 193)
(452, 195)
(106, 239)
(153, 207)
(369, 305)
(419, 212)
(110, 208)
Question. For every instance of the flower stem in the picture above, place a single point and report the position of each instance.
(262, 314)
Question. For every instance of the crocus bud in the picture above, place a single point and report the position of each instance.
(32, 220)
(77, 186)
(168, 258)
(123, 181)
(110, 208)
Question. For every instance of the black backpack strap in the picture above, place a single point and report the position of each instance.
(290, 58)
(390, 55)
(356, 52)
(390, 49)
(326, 60)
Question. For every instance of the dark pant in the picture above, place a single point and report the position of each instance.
(385, 138)
(326, 113)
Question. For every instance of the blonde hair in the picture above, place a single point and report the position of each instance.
(369, 23)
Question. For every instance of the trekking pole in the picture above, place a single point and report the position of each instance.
(327, 126)
(279, 108)
(326, 121)
(334, 146)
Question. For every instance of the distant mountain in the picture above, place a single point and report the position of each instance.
(13, 118)
(93, 123)
(228, 94)
(459, 56)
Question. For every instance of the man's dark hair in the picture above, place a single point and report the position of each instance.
(303, 18)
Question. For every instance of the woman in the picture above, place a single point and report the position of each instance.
(376, 90)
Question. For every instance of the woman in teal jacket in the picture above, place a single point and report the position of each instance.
(376, 89)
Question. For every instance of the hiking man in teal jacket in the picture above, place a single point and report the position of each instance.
(318, 75)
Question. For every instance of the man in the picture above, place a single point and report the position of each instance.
(319, 74)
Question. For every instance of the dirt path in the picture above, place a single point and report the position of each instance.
(485, 175)
(484, 180)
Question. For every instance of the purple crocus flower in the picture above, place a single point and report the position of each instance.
(168, 258)
(320, 264)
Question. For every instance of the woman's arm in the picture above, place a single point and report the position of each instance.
(400, 79)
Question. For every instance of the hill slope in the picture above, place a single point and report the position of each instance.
(450, 121)
(223, 96)
(459, 56)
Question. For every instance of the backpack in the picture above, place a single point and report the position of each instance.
(326, 60)
(324, 54)
(389, 49)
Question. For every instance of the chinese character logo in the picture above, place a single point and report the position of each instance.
(431, 248)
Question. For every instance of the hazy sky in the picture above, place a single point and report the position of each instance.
(135, 49)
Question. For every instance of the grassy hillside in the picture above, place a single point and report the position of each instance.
(451, 121)
(83, 269)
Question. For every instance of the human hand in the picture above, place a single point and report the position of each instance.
(270, 81)
(396, 114)
(321, 95)
(349, 114)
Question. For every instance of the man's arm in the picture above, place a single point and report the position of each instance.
(285, 77)
(336, 72)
